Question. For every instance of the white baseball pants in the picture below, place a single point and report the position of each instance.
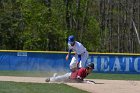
(82, 63)
(62, 78)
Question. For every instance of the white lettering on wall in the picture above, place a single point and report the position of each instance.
(127, 60)
(116, 66)
(104, 63)
(136, 64)
(116, 63)
(95, 63)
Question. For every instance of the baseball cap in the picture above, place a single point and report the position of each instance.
(71, 39)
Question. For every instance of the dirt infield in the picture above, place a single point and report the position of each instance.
(100, 86)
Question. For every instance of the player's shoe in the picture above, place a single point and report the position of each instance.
(47, 80)
(55, 75)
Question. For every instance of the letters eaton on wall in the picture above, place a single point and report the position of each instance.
(116, 63)
(108, 63)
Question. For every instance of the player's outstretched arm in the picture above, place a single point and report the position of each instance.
(69, 52)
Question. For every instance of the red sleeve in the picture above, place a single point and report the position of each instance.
(74, 74)
(81, 74)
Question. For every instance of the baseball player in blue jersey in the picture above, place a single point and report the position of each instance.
(81, 54)
(78, 61)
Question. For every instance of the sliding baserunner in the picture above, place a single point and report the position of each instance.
(76, 76)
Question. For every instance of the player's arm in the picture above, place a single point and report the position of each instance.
(79, 74)
(69, 52)
(79, 80)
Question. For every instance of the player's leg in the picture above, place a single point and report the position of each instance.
(61, 78)
(73, 65)
(84, 58)
(48, 79)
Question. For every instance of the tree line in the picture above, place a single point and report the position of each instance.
(101, 25)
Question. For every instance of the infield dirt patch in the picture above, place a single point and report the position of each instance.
(101, 86)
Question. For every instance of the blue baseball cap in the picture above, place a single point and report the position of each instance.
(71, 39)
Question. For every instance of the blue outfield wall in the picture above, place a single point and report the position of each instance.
(32, 61)
(116, 63)
(55, 61)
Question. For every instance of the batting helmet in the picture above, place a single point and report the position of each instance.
(91, 65)
(71, 39)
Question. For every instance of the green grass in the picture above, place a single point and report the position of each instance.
(91, 76)
(26, 73)
(110, 76)
(14, 87)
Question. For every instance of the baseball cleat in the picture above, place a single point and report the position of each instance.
(47, 80)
